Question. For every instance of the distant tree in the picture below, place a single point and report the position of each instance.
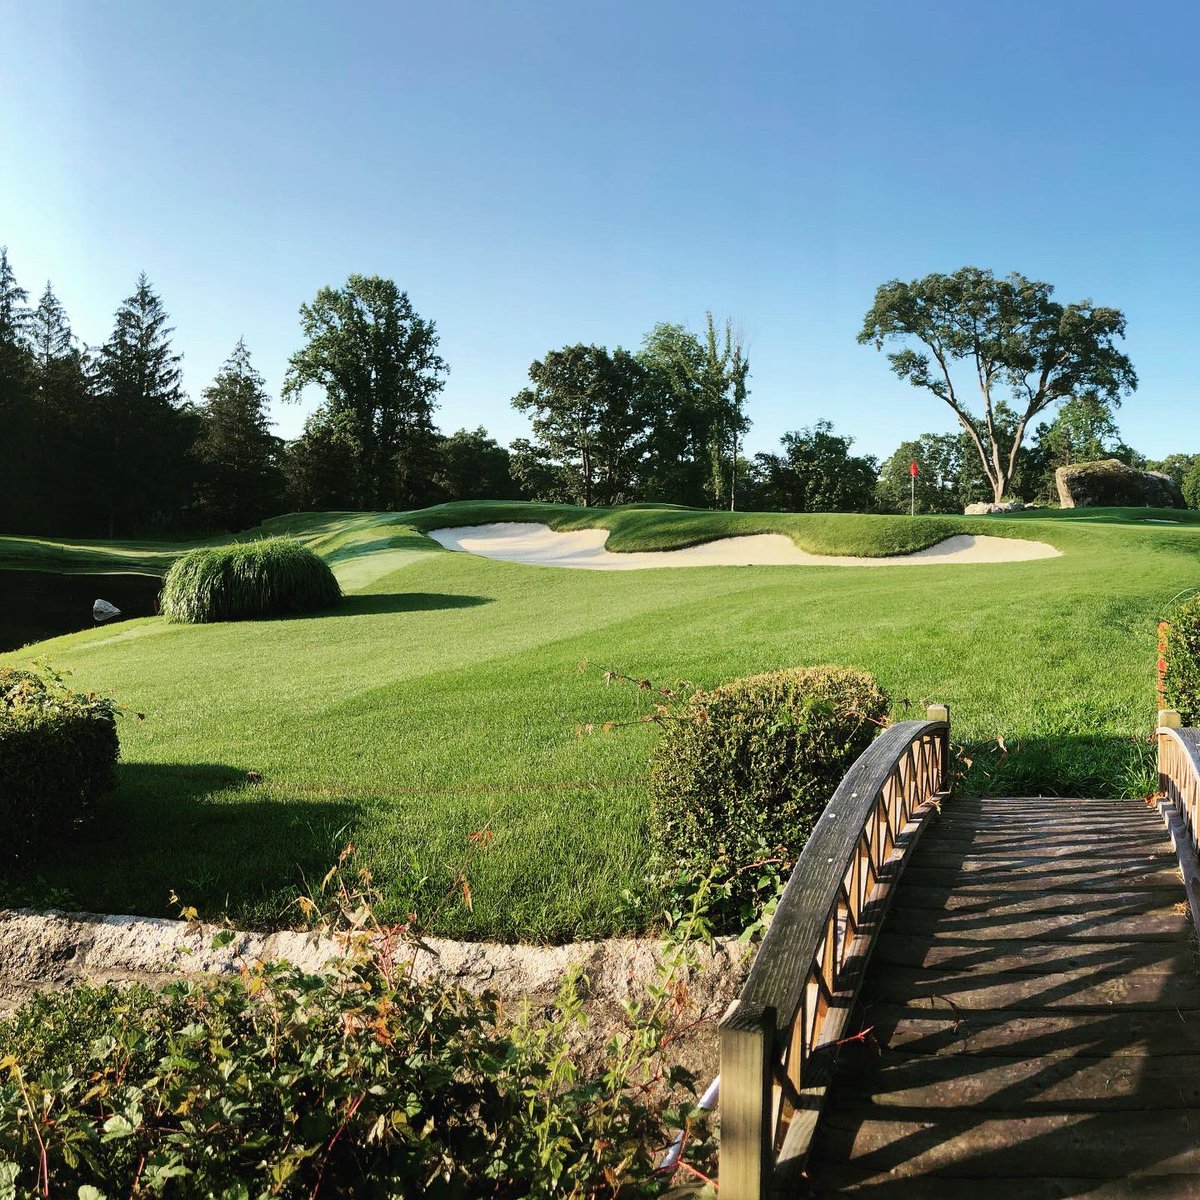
(377, 361)
(1190, 485)
(1083, 430)
(473, 466)
(817, 473)
(321, 466)
(1012, 335)
(699, 387)
(142, 465)
(1185, 470)
(16, 424)
(240, 480)
(938, 485)
(65, 420)
(589, 426)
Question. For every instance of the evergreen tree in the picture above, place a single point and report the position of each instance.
(321, 466)
(143, 468)
(240, 481)
(16, 424)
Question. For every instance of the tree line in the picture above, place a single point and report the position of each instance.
(102, 440)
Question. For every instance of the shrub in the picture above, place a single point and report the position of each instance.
(1181, 683)
(360, 1081)
(273, 577)
(743, 772)
(58, 755)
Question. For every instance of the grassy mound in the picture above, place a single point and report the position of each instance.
(276, 577)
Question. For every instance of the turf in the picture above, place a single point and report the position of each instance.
(444, 695)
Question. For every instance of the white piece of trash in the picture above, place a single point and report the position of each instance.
(103, 611)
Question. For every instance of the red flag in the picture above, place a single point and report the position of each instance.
(912, 469)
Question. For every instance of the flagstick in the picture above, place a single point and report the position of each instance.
(912, 506)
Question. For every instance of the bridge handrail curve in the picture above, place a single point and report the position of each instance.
(778, 1037)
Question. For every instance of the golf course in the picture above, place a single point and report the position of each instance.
(449, 694)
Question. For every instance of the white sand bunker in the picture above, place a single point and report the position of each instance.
(539, 545)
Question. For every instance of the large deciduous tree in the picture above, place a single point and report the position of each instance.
(816, 473)
(473, 466)
(376, 359)
(1011, 336)
(240, 481)
(589, 426)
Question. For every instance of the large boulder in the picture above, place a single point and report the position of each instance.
(986, 508)
(1110, 483)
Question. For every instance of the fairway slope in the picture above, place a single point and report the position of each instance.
(535, 544)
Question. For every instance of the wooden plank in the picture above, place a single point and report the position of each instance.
(1091, 840)
(991, 1083)
(845, 1181)
(1036, 958)
(1078, 989)
(956, 901)
(1105, 1144)
(973, 882)
(1097, 925)
(933, 1027)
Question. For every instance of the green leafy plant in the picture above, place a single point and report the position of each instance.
(272, 577)
(743, 772)
(58, 756)
(360, 1080)
(1181, 655)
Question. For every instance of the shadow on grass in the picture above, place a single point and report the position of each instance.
(222, 841)
(1088, 765)
(397, 602)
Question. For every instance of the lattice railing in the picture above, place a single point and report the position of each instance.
(1179, 799)
(779, 1038)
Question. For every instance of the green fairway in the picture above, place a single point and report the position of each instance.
(444, 695)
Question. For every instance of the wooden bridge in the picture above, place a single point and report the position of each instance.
(1007, 1006)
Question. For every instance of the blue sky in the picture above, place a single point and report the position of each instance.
(541, 174)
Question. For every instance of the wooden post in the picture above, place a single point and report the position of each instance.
(938, 712)
(1169, 718)
(747, 1108)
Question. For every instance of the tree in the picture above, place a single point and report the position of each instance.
(1083, 430)
(320, 467)
(817, 473)
(142, 478)
(240, 479)
(1012, 335)
(938, 485)
(699, 421)
(473, 466)
(377, 361)
(589, 426)
(16, 432)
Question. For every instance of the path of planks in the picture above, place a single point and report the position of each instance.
(1034, 1005)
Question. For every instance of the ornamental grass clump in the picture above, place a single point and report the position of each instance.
(1181, 660)
(274, 577)
(58, 757)
(743, 772)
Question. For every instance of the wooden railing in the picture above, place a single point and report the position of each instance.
(779, 1039)
(1179, 798)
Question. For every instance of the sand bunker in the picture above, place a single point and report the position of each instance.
(539, 545)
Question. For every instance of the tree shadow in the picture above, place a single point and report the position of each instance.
(396, 602)
(222, 839)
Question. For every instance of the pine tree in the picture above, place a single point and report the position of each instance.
(19, 501)
(240, 479)
(143, 463)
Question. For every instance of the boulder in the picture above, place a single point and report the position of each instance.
(1111, 483)
(983, 508)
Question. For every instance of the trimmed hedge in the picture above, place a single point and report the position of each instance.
(58, 756)
(1181, 683)
(274, 577)
(743, 772)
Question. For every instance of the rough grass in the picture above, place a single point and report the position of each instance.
(443, 697)
(272, 577)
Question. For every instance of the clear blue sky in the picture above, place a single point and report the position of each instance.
(540, 174)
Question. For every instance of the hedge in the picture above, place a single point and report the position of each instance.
(743, 771)
(273, 577)
(58, 755)
(1181, 659)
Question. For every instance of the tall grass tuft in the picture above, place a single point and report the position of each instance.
(274, 577)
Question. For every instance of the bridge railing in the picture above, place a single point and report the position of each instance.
(778, 1040)
(1179, 798)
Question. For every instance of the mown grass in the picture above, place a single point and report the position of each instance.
(443, 697)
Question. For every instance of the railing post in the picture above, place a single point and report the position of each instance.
(938, 712)
(1168, 718)
(747, 1124)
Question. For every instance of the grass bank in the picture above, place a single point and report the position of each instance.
(443, 698)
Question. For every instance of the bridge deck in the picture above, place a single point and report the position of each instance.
(1034, 1008)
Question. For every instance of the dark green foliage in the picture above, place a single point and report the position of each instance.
(1182, 682)
(743, 771)
(58, 755)
(815, 473)
(240, 482)
(274, 577)
(359, 1082)
(472, 466)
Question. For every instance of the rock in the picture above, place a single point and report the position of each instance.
(984, 509)
(1111, 482)
(103, 611)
